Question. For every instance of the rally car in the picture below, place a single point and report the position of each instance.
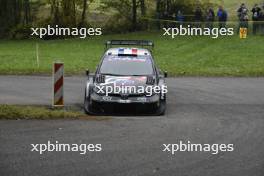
(126, 76)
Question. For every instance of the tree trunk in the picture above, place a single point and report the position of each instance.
(84, 13)
(143, 7)
(134, 15)
(68, 12)
(158, 13)
(168, 6)
(56, 15)
(52, 7)
(158, 6)
(26, 12)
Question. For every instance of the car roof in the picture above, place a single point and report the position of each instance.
(128, 51)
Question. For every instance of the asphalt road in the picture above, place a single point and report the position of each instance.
(200, 110)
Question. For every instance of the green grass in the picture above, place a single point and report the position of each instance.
(11, 112)
(182, 56)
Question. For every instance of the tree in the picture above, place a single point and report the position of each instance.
(63, 12)
(13, 13)
(126, 10)
(54, 11)
(27, 17)
(83, 13)
(134, 15)
(68, 13)
(143, 7)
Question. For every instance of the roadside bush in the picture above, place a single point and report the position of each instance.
(117, 25)
(20, 32)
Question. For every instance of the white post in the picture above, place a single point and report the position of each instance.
(37, 53)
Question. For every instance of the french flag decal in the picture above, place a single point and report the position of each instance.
(134, 51)
(121, 51)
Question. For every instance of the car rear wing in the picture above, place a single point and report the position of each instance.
(142, 43)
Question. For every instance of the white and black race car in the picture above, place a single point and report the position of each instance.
(126, 76)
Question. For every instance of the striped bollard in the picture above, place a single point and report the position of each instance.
(58, 79)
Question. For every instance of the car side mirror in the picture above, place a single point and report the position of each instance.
(165, 74)
(87, 72)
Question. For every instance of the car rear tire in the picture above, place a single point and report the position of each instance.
(88, 105)
(161, 108)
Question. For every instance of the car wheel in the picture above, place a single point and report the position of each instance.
(161, 108)
(88, 105)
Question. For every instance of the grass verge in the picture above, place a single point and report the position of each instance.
(10, 112)
(182, 56)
